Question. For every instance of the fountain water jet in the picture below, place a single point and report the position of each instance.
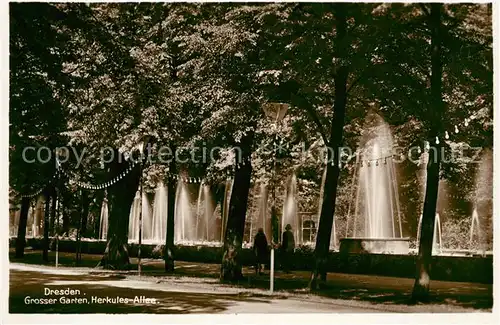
(204, 213)
(184, 221)
(103, 222)
(160, 211)
(377, 197)
(263, 221)
(14, 220)
(475, 221)
(138, 204)
(209, 212)
(37, 217)
(290, 215)
(483, 202)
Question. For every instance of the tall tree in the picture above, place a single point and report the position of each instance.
(228, 50)
(21, 233)
(334, 142)
(445, 56)
(422, 281)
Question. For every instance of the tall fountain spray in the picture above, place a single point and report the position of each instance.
(147, 218)
(377, 217)
(474, 226)
(14, 221)
(37, 217)
(184, 220)
(200, 215)
(208, 213)
(378, 194)
(133, 223)
(290, 215)
(138, 205)
(437, 240)
(263, 220)
(160, 206)
(103, 222)
(205, 222)
(483, 202)
(377, 197)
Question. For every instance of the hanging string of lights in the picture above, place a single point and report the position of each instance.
(198, 180)
(32, 194)
(90, 186)
(456, 129)
(185, 179)
(426, 147)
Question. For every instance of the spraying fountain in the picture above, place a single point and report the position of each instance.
(474, 226)
(376, 220)
(133, 230)
(160, 211)
(483, 203)
(36, 220)
(103, 222)
(184, 219)
(15, 213)
(290, 215)
(263, 216)
(205, 220)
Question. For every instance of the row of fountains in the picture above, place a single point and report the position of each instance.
(374, 212)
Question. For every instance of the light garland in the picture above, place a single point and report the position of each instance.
(90, 186)
(33, 194)
(198, 180)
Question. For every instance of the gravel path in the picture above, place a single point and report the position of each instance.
(190, 294)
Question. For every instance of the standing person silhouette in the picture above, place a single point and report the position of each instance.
(287, 246)
(260, 250)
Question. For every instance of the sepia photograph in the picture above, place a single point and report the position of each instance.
(249, 158)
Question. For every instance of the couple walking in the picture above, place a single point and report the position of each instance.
(261, 250)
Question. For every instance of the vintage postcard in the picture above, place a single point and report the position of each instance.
(314, 158)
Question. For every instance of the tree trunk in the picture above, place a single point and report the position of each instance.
(219, 190)
(65, 214)
(46, 216)
(79, 228)
(424, 258)
(168, 255)
(86, 204)
(96, 208)
(121, 197)
(21, 232)
(53, 213)
(233, 237)
(333, 170)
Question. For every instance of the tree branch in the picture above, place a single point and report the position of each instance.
(425, 10)
(356, 80)
(300, 102)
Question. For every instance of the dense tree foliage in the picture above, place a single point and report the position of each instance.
(192, 75)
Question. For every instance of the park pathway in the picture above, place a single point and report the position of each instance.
(194, 289)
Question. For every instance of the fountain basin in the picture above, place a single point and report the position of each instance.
(399, 246)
